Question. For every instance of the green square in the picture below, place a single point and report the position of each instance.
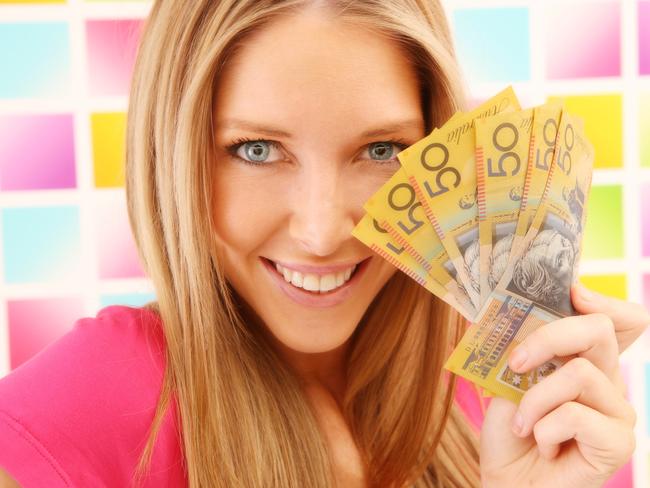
(604, 230)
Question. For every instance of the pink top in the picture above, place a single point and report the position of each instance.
(77, 413)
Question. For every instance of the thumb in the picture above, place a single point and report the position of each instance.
(500, 446)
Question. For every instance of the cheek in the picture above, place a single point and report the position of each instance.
(241, 219)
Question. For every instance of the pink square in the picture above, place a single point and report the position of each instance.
(583, 40)
(35, 323)
(111, 47)
(37, 152)
(644, 37)
(116, 251)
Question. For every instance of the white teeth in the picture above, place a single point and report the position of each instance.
(311, 281)
(314, 282)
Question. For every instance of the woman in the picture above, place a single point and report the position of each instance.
(256, 131)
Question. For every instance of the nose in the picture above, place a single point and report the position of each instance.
(323, 211)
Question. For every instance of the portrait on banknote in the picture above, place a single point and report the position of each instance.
(468, 244)
(504, 233)
(544, 271)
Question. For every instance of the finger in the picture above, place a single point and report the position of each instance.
(630, 319)
(605, 442)
(589, 336)
(578, 380)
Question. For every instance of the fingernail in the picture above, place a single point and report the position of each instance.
(518, 423)
(585, 293)
(518, 357)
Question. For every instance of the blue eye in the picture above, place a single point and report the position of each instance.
(256, 151)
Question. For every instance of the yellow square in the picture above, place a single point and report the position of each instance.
(612, 285)
(108, 137)
(603, 117)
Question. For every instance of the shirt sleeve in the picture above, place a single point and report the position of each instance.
(78, 413)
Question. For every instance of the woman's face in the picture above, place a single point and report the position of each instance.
(310, 92)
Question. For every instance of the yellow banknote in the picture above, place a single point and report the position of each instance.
(535, 290)
(380, 241)
(397, 210)
(502, 154)
(542, 141)
(441, 168)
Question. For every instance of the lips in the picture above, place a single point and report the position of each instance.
(316, 299)
(338, 271)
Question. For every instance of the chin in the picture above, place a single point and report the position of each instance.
(310, 339)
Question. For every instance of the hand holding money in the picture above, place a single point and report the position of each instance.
(576, 428)
(487, 212)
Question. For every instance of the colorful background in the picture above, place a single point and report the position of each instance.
(65, 245)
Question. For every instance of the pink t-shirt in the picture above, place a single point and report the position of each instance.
(77, 413)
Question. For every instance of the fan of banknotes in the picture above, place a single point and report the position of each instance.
(487, 213)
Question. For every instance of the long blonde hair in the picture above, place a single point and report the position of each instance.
(243, 416)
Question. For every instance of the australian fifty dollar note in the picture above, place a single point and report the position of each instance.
(535, 290)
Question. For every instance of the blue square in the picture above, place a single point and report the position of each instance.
(493, 44)
(34, 59)
(41, 244)
(129, 299)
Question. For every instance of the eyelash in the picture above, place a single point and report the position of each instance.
(232, 148)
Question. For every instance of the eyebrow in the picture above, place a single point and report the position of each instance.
(385, 129)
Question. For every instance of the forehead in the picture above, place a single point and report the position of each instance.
(311, 63)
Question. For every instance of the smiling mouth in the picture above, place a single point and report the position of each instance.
(312, 283)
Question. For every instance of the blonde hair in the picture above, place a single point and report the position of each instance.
(243, 416)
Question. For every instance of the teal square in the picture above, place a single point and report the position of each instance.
(493, 44)
(41, 244)
(35, 59)
(129, 299)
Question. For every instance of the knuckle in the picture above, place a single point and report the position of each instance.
(579, 369)
(570, 412)
(630, 414)
(604, 326)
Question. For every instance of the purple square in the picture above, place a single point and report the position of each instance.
(36, 152)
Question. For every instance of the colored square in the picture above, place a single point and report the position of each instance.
(34, 324)
(493, 44)
(644, 37)
(644, 128)
(646, 302)
(114, 243)
(583, 40)
(109, 140)
(603, 118)
(645, 219)
(36, 152)
(35, 60)
(623, 478)
(612, 285)
(604, 230)
(111, 46)
(647, 396)
(130, 299)
(41, 244)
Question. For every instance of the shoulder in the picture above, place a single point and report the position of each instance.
(82, 407)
